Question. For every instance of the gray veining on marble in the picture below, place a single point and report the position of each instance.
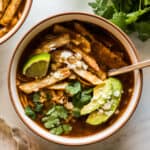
(134, 135)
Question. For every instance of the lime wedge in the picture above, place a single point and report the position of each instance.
(37, 65)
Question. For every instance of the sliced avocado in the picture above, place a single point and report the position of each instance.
(100, 95)
(37, 65)
(97, 118)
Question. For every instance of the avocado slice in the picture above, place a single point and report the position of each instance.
(97, 118)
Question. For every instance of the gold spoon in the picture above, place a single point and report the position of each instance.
(138, 65)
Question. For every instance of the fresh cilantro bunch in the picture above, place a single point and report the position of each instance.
(129, 15)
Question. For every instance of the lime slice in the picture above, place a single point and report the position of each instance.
(37, 65)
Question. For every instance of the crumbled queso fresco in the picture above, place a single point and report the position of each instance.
(78, 64)
(66, 54)
(116, 93)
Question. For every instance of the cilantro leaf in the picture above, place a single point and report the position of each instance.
(143, 29)
(67, 128)
(51, 122)
(73, 88)
(29, 112)
(36, 97)
(120, 20)
(38, 107)
(58, 130)
(125, 14)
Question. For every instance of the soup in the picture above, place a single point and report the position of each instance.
(62, 79)
(10, 13)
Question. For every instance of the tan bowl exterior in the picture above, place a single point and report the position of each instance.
(19, 23)
(123, 38)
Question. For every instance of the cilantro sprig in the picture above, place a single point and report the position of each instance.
(129, 15)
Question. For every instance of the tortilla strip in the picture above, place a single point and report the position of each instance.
(3, 6)
(10, 12)
(3, 31)
(34, 86)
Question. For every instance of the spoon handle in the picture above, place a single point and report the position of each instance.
(139, 65)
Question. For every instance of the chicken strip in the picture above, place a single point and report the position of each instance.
(10, 12)
(3, 5)
(109, 58)
(56, 42)
(76, 38)
(88, 76)
(90, 61)
(58, 86)
(79, 28)
(83, 31)
(55, 77)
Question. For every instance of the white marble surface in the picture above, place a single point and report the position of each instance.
(134, 135)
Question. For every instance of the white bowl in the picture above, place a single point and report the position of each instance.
(118, 34)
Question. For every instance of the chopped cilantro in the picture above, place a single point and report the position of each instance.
(73, 88)
(57, 130)
(29, 112)
(36, 97)
(67, 128)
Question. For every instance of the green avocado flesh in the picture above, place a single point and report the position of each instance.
(37, 65)
(105, 103)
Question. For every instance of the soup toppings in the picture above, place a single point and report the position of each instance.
(61, 83)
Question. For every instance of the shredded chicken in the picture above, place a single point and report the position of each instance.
(88, 76)
(54, 43)
(76, 39)
(34, 86)
(109, 58)
(89, 60)
(58, 86)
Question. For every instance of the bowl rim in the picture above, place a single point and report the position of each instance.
(17, 26)
(106, 21)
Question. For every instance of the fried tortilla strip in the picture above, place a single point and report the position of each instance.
(33, 86)
(76, 38)
(88, 76)
(3, 5)
(58, 86)
(89, 60)
(56, 42)
(109, 58)
(3, 31)
(10, 12)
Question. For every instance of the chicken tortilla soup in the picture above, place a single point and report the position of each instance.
(62, 79)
